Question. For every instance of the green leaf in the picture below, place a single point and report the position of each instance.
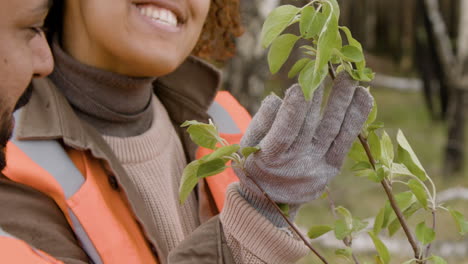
(341, 229)
(379, 260)
(311, 23)
(353, 42)
(419, 191)
(375, 126)
(211, 168)
(373, 115)
(462, 224)
(400, 170)
(359, 225)
(387, 154)
(378, 222)
(381, 173)
(370, 174)
(404, 200)
(351, 54)
(318, 231)
(395, 225)
(374, 143)
(437, 260)
(324, 195)
(364, 74)
(348, 217)
(309, 81)
(277, 21)
(189, 180)
(409, 261)
(362, 165)
(357, 152)
(381, 248)
(424, 234)
(221, 152)
(284, 208)
(345, 252)
(204, 135)
(298, 66)
(335, 8)
(280, 50)
(327, 41)
(247, 151)
(407, 156)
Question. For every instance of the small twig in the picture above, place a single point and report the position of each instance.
(393, 203)
(278, 209)
(347, 240)
(428, 248)
(388, 189)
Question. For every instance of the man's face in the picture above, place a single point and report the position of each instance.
(24, 54)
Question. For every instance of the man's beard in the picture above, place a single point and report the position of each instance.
(6, 124)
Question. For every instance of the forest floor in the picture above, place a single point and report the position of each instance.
(405, 110)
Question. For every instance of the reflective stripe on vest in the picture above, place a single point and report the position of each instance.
(13, 250)
(104, 225)
(5, 234)
(51, 156)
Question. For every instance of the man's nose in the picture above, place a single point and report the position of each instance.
(43, 63)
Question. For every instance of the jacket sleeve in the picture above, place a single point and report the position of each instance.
(239, 235)
(36, 222)
(254, 239)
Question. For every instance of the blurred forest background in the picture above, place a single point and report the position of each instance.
(419, 51)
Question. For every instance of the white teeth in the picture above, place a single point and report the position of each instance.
(161, 15)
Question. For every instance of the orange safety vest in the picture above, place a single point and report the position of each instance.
(100, 217)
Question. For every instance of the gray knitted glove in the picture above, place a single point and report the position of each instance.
(300, 151)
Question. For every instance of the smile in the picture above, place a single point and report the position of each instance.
(159, 15)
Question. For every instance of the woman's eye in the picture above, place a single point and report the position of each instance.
(38, 30)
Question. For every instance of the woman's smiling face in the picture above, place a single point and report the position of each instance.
(133, 37)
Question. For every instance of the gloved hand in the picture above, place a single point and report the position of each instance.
(300, 151)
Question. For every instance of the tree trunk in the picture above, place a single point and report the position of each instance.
(456, 144)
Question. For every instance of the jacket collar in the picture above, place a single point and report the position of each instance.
(190, 89)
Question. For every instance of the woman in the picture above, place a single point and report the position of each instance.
(108, 153)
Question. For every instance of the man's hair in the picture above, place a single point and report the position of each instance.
(216, 43)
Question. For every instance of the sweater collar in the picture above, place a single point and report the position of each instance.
(114, 104)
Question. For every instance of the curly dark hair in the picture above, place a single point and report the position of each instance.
(216, 43)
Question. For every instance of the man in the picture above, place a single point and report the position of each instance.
(24, 54)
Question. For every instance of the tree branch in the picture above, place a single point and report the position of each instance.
(388, 190)
(393, 203)
(293, 227)
(428, 248)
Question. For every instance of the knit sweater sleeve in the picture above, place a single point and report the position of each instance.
(254, 239)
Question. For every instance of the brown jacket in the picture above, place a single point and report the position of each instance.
(34, 217)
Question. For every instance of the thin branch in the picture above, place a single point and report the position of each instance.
(347, 240)
(428, 248)
(388, 189)
(278, 209)
(393, 203)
